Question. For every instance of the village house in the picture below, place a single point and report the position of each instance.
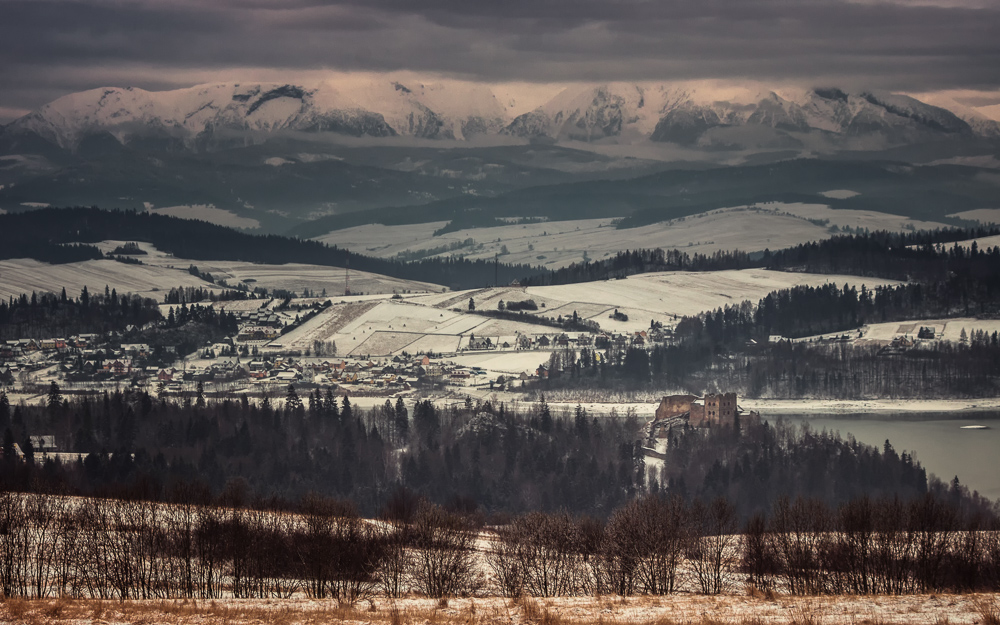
(479, 343)
(136, 350)
(119, 367)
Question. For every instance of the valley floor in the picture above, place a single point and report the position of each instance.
(680, 608)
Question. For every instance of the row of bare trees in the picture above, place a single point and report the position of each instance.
(113, 549)
(649, 546)
(656, 545)
(872, 546)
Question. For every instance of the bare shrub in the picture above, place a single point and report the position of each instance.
(538, 554)
(710, 550)
(443, 563)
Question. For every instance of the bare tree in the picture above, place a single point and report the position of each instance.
(443, 562)
(710, 550)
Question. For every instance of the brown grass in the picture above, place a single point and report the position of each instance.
(757, 593)
(988, 610)
(679, 609)
(534, 611)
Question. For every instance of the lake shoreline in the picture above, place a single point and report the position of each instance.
(960, 408)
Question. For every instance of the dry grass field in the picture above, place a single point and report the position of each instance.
(692, 609)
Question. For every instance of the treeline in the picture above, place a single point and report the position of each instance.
(187, 328)
(192, 294)
(632, 262)
(21, 234)
(789, 370)
(808, 311)
(320, 548)
(661, 545)
(570, 323)
(917, 256)
(49, 315)
(494, 459)
(731, 347)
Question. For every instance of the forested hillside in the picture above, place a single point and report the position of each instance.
(920, 256)
(42, 233)
(478, 457)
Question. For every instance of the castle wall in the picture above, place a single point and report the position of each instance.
(674, 405)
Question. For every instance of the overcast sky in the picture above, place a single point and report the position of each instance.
(52, 47)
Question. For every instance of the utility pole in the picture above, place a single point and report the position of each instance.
(347, 277)
(496, 269)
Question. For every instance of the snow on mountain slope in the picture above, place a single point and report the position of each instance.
(382, 106)
(982, 120)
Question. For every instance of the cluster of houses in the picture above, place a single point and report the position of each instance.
(21, 348)
(80, 358)
(388, 375)
(603, 340)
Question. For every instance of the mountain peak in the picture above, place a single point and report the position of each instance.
(694, 113)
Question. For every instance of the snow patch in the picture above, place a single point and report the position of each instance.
(839, 194)
(982, 215)
(208, 213)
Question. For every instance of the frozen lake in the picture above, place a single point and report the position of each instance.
(940, 444)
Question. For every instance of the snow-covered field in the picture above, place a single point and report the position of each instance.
(440, 322)
(944, 330)
(982, 243)
(556, 244)
(503, 362)
(665, 294)
(982, 215)
(161, 271)
(386, 327)
(208, 213)
(665, 610)
(23, 275)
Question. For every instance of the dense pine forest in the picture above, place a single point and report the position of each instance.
(51, 315)
(491, 459)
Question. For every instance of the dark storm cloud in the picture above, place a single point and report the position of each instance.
(48, 48)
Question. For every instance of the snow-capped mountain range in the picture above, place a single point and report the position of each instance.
(709, 115)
